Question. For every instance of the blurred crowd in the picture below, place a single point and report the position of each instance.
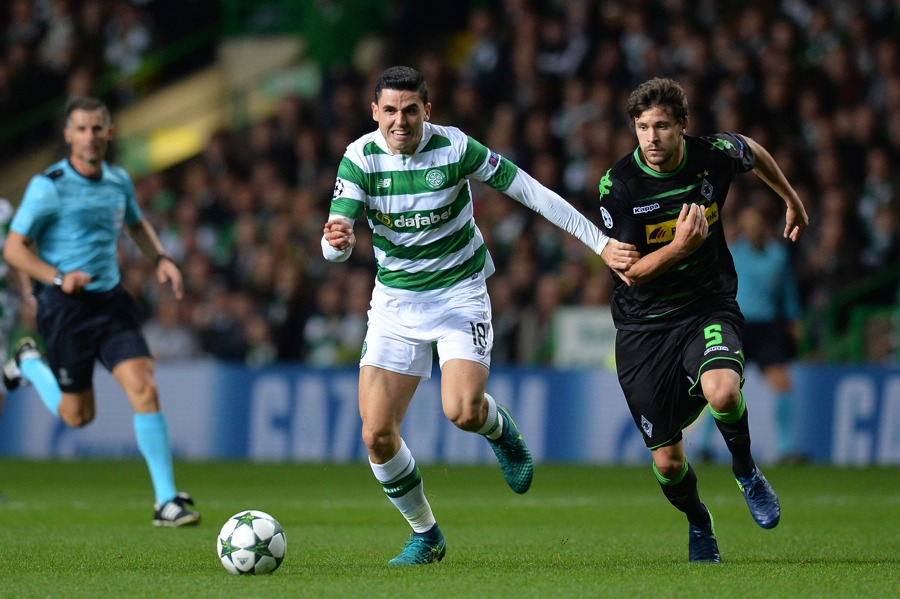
(544, 84)
(56, 49)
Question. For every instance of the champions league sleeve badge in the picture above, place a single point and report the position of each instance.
(607, 217)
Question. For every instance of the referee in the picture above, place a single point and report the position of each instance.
(65, 236)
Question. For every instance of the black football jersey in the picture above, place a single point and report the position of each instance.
(640, 206)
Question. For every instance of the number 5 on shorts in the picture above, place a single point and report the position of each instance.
(713, 335)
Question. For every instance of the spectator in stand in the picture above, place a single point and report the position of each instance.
(168, 334)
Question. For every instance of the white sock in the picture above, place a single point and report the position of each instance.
(402, 483)
(493, 424)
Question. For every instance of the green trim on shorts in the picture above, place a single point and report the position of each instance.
(740, 372)
(732, 416)
(687, 423)
(671, 482)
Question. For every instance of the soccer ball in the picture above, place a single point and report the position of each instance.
(251, 542)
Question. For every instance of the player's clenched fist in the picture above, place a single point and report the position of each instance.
(339, 234)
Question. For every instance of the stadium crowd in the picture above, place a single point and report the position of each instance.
(543, 83)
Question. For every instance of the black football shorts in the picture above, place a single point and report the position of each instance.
(86, 327)
(659, 371)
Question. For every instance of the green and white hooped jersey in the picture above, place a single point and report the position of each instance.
(419, 207)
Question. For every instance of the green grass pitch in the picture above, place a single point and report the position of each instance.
(82, 529)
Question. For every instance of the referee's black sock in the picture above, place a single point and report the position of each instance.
(735, 429)
(683, 494)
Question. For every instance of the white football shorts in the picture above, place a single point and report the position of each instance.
(401, 332)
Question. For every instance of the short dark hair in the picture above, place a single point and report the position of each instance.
(402, 78)
(89, 103)
(660, 92)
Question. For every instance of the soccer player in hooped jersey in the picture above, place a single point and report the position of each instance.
(679, 340)
(410, 178)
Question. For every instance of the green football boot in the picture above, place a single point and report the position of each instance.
(513, 455)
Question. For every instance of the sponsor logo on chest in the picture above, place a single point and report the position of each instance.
(664, 232)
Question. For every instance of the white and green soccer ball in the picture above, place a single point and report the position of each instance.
(251, 542)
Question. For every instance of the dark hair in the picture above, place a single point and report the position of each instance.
(89, 103)
(403, 79)
(658, 92)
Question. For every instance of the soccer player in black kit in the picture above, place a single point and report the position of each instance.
(679, 327)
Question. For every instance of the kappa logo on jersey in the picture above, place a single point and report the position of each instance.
(435, 178)
(605, 184)
(664, 232)
(494, 159)
(645, 209)
(338, 188)
(723, 144)
(607, 217)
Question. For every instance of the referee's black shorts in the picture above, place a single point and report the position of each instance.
(659, 371)
(81, 328)
(767, 343)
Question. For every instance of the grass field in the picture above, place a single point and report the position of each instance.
(82, 529)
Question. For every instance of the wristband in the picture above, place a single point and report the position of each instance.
(160, 257)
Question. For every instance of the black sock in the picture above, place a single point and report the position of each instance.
(737, 439)
(683, 494)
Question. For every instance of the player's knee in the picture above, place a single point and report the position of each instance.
(76, 418)
(468, 416)
(669, 466)
(724, 399)
(381, 444)
(722, 393)
(144, 395)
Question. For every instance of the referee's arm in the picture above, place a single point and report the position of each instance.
(147, 240)
(18, 253)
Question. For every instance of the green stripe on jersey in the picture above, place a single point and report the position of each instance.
(349, 208)
(372, 148)
(436, 279)
(473, 157)
(436, 143)
(442, 247)
(350, 171)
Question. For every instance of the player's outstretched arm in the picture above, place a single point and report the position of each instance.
(796, 219)
(620, 256)
(526, 190)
